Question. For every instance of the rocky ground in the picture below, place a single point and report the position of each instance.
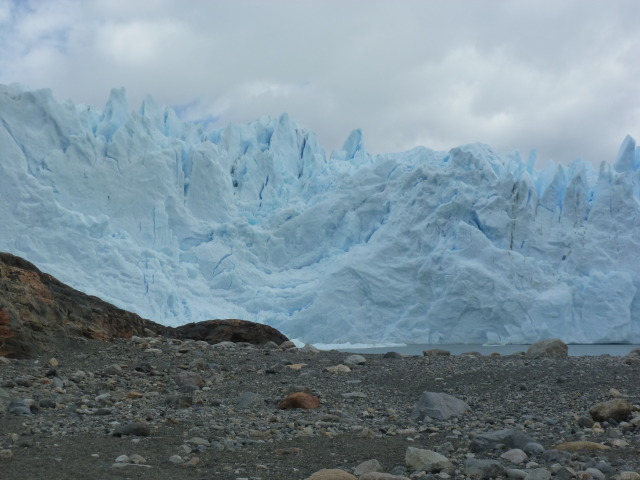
(162, 408)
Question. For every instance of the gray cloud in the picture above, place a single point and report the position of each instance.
(558, 76)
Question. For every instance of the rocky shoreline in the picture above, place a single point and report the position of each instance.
(158, 407)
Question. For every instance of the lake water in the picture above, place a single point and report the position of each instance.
(574, 350)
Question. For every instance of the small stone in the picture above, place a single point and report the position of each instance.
(297, 366)
(337, 369)
(615, 393)
(515, 456)
(427, 460)
(331, 474)
(19, 407)
(516, 474)
(629, 476)
(6, 454)
(372, 465)
(138, 429)
(585, 422)
(483, 469)
(538, 474)
(175, 459)
(111, 370)
(133, 395)
(53, 361)
(122, 459)
(381, 476)
(533, 448)
(189, 381)
(192, 462)
(198, 441)
(249, 400)
(436, 352)
(564, 473)
(595, 473)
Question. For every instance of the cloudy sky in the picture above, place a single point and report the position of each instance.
(561, 76)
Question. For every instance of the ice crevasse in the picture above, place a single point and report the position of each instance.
(255, 221)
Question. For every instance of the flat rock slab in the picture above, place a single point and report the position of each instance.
(439, 406)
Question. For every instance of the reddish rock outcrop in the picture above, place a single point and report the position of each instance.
(38, 312)
(232, 330)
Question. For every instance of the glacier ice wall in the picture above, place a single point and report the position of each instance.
(254, 221)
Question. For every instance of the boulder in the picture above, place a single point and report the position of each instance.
(617, 409)
(551, 348)
(353, 360)
(419, 459)
(368, 466)
(299, 400)
(231, 330)
(510, 437)
(483, 469)
(439, 406)
(331, 474)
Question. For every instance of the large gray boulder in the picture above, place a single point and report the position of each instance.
(551, 348)
(483, 469)
(418, 459)
(509, 437)
(439, 406)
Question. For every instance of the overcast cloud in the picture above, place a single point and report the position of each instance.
(561, 76)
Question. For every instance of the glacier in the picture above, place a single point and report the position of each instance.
(256, 221)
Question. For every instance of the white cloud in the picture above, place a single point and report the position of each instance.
(561, 77)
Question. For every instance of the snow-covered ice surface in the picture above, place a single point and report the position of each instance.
(256, 222)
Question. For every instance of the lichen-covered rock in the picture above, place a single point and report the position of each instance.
(617, 409)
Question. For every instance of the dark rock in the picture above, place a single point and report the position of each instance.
(510, 437)
(21, 407)
(392, 355)
(47, 403)
(483, 469)
(232, 330)
(138, 429)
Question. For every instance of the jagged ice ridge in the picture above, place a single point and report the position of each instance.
(254, 221)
